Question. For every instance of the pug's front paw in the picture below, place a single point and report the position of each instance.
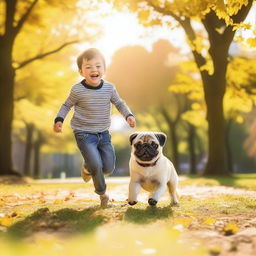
(152, 201)
(132, 202)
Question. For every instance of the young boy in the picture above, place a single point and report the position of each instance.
(92, 99)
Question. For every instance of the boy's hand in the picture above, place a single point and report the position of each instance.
(57, 127)
(131, 121)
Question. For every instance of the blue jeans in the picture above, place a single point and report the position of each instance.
(99, 156)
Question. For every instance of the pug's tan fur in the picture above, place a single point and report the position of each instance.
(153, 175)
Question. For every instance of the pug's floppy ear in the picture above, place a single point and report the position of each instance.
(161, 138)
(133, 136)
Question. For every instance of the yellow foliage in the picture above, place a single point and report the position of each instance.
(197, 45)
(119, 140)
(237, 102)
(208, 67)
(238, 39)
(239, 119)
(251, 42)
(195, 117)
(196, 106)
(209, 221)
(144, 15)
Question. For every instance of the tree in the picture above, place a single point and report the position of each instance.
(240, 96)
(220, 20)
(19, 16)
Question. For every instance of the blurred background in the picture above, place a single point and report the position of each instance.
(152, 63)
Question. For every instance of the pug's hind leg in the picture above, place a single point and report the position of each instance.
(173, 192)
(134, 189)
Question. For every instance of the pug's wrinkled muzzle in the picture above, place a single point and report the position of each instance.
(146, 151)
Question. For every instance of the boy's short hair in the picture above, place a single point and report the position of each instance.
(88, 55)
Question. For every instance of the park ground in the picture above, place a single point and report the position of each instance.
(216, 216)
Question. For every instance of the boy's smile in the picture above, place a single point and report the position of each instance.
(92, 70)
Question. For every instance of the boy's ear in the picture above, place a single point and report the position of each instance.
(133, 136)
(161, 138)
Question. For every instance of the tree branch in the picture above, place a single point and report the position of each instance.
(20, 98)
(237, 18)
(164, 11)
(25, 17)
(211, 22)
(186, 24)
(41, 56)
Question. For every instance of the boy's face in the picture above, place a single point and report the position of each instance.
(92, 70)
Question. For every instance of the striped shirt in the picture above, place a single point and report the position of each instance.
(92, 107)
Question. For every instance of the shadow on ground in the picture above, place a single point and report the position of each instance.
(148, 215)
(67, 221)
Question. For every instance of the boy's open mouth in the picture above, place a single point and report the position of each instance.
(94, 76)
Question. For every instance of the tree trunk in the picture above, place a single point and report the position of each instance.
(228, 146)
(36, 173)
(172, 125)
(7, 76)
(28, 150)
(217, 158)
(37, 148)
(175, 152)
(192, 150)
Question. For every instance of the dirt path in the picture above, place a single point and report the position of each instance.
(241, 242)
(207, 225)
(120, 191)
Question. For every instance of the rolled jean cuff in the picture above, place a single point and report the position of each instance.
(100, 192)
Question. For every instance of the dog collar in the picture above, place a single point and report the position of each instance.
(147, 165)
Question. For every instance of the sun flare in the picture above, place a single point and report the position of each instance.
(122, 29)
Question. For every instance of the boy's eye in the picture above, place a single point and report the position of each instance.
(87, 67)
(98, 66)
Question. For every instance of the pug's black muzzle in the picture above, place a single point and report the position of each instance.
(146, 151)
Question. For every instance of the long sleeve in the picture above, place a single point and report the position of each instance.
(68, 104)
(120, 104)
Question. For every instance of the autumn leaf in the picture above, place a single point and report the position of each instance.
(58, 201)
(183, 221)
(230, 229)
(6, 221)
(209, 221)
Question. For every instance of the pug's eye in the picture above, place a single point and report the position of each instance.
(138, 145)
(154, 145)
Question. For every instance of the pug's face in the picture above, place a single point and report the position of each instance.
(146, 146)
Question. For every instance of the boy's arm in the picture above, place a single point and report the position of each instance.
(120, 104)
(65, 108)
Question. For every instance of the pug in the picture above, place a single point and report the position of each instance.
(150, 169)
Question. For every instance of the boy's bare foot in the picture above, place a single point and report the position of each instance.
(86, 175)
(104, 201)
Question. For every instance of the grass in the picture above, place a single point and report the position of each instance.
(70, 220)
(245, 181)
(147, 215)
(54, 219)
